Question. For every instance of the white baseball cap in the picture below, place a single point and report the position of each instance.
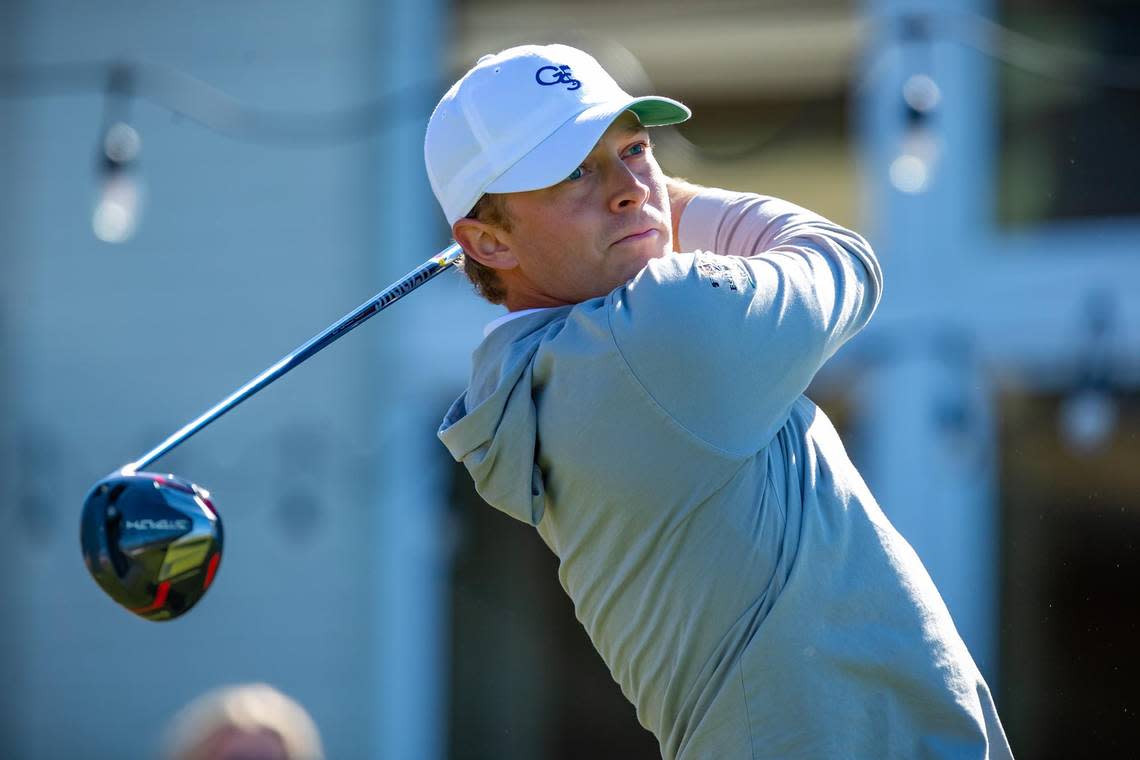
(524, 119)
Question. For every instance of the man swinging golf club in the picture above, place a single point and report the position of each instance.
(642, 405)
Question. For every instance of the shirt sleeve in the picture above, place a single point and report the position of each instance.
(725, 339)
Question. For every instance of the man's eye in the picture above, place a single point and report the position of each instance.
(639, 149)
(576, 174)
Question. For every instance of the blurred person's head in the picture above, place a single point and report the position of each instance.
(243, 722)
(544, 168)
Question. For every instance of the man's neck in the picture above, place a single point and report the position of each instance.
(520, 297)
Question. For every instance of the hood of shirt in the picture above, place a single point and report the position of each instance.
(493, 427)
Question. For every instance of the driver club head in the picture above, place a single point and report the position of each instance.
(152, 542)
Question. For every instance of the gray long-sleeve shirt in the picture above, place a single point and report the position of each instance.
(722, 552)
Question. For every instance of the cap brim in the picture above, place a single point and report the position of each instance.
(559, 154)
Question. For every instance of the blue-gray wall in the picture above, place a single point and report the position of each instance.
(329, 585)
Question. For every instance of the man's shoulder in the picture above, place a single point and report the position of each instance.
(517, 338)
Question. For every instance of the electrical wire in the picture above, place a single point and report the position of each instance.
(210, 107)
(200, 102)
(1020, 51)
(1079, 68)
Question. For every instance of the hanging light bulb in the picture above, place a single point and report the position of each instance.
(1088, 420)
(118, 205)
(117, 209)
(913, 168)
(1088, 416)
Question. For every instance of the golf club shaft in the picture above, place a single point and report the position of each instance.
(394, 292)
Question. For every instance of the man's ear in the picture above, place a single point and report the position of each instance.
(486, 244)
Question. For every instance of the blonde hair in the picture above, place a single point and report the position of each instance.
(248, 708)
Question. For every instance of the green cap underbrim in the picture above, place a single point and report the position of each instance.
(660, 112)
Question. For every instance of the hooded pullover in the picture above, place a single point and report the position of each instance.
(723, 554)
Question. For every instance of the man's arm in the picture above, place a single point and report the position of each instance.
(725, 340)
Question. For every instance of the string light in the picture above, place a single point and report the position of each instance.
(1088, 415)
(121, 193)
(118, 205)
(913, 168)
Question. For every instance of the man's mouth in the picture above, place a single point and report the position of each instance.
(639, 235)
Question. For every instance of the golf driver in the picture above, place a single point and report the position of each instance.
(153, 542)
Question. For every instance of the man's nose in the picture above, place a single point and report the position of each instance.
(628, 191)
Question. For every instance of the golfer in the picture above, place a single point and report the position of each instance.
(641, 404)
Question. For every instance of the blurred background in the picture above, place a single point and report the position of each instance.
(194, 189)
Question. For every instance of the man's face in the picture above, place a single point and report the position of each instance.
(594, 230)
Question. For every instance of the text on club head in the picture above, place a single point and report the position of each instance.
(148, 524)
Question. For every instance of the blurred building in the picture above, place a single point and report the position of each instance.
(273, 205)
(987, 150)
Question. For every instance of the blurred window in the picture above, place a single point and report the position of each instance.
(1071, 567)
(1069, 111)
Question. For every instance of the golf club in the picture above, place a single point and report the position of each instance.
(153, 542)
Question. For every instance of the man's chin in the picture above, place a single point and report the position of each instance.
(643, 259)
(634, 266)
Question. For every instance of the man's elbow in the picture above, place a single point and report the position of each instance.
(872, 278)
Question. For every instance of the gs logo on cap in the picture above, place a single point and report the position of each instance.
(551, 75)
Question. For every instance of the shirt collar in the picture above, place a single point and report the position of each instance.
(490, 326)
